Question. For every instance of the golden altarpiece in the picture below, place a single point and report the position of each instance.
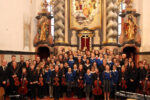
(88, 25)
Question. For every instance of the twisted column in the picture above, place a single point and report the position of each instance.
(112, 25)
(59, 18)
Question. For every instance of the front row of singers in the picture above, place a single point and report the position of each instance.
(57, 81)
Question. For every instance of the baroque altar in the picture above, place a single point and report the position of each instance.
(43, 37)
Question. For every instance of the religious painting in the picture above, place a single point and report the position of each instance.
(85, 13)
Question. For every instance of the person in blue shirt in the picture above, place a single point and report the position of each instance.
(75, 91)
(107, 81)
(47, 76)
(110, 62)
(115, 76)
(92, 59)
(99, 60)
(71, 61)
(70, 80)
(88, 83)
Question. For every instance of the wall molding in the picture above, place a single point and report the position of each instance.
(143, 53)
(17, 52)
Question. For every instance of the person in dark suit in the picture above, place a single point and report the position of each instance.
(33, 80)
(21, 63)
(37, 61)
(132, 77)
(3, 76)
(13, 58)
(56, 83)
(13, 75)
(3, 73)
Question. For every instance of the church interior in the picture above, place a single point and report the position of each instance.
(74, 50)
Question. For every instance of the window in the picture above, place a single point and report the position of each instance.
(122, 7)
(52, 20)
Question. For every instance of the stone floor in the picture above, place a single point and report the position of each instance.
(47, 98)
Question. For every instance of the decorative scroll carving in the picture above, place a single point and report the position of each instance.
(112, 25)
(59, 20)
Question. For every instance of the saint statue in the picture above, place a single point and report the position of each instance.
(130, 28)
(44, 29)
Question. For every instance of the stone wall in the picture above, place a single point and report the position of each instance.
(7, 55)
(145, 56)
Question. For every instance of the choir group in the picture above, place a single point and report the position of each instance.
(96, 74)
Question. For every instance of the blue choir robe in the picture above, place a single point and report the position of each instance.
(88, 79)
(71, 63)
(74, 72)
(99, 62)
(69, 77)
(110, 63)
(92, 61)
(115, 76)
(107, 76)
(47, 75)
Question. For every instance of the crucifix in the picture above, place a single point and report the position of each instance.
(85, 46)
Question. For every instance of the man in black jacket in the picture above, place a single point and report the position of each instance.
(21, 63)
(33, 80)
(13, 75)
(3, 75)
(56, 83)
(13, 58)
(132, 77)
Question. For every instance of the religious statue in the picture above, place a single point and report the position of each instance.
(44, 24)
(43, 35)
(130, 28)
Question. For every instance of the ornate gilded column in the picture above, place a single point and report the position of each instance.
(59, 18)
(66, 21)
(104, 21)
